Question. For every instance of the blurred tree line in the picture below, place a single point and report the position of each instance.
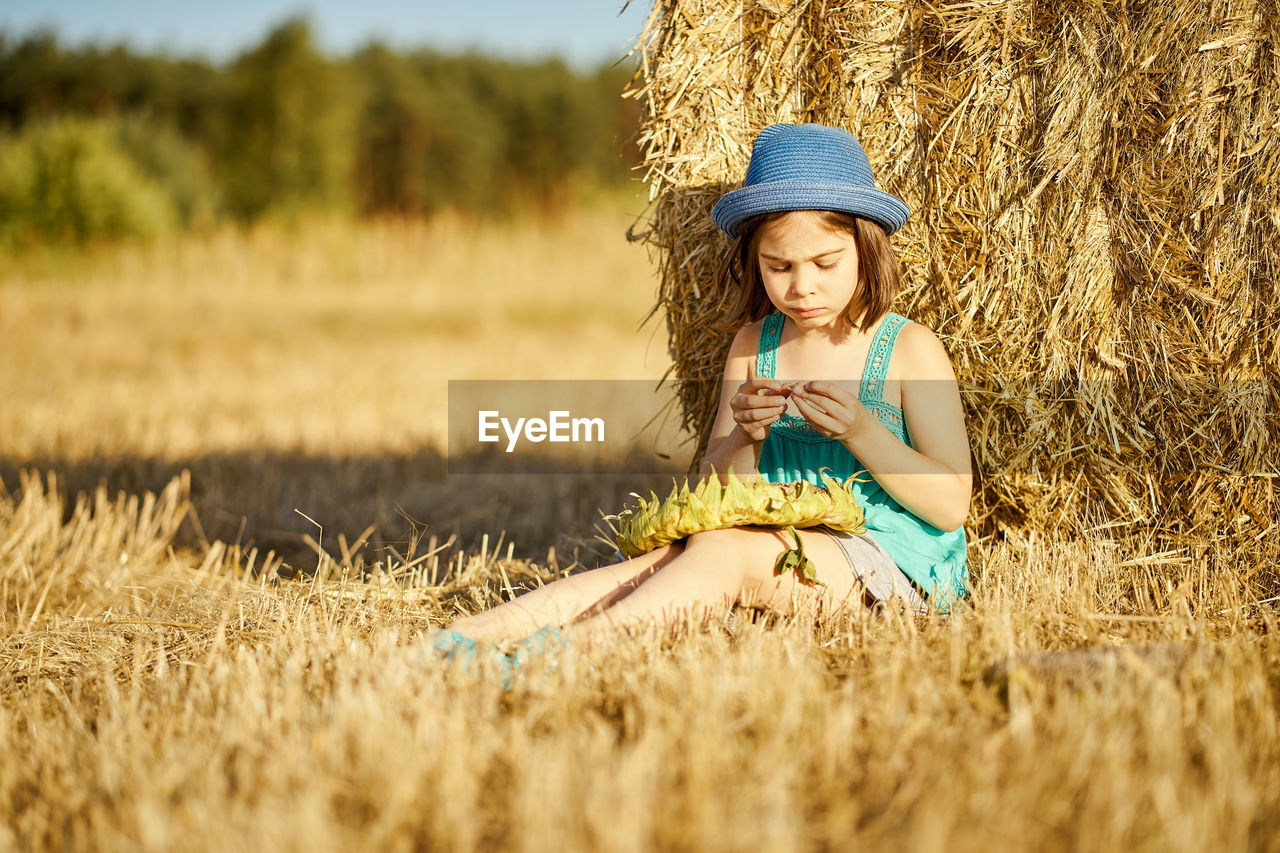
(107, 142)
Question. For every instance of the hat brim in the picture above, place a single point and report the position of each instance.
(734, 208)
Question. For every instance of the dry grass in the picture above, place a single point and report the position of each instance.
(307, 369)
(164, 688)
(168, 701)
(239, 340)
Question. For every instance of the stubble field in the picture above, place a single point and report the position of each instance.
(225, 518)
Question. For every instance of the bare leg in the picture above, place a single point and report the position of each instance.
(562, 601)
(719, 568)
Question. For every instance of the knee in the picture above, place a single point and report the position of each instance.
(721, 539)
(464, 624)
(731, 549)
(712, 545)
(752, 552)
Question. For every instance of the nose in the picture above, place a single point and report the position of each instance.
(801, 282)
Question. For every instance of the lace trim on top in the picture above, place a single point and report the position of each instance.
(871, 392)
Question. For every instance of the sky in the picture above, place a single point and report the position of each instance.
(584, 32)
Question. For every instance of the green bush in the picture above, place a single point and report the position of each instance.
(70, 180)
(162, 141)
(174, 163)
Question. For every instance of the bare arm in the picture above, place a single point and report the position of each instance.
(744, 415)
(933, 479)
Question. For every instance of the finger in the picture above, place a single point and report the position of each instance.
(808, 404)
(764, 386)
(818, 416)
(756, 431)
(756, 421)
(751, 418)
(766, 405)
(756, 405)
(822, 388)
(758, 425)
(757, 399)
(760, 384)
(838, 406)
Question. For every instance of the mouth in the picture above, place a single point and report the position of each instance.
(807, 312)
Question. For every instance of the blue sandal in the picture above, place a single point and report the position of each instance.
(548, 641)
(451, 646)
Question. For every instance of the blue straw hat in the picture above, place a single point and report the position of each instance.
(809, 167)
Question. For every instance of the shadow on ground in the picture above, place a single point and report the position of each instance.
(272, 500)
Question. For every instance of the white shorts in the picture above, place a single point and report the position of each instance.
(879, 574)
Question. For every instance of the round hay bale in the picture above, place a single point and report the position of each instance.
(1094, 234)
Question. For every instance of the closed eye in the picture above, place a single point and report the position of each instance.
(822, 266)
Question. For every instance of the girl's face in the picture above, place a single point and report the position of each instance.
(810, 271)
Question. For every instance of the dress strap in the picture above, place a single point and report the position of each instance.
(770, 337)
(873, 374)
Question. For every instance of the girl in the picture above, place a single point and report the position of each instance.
(820, 375)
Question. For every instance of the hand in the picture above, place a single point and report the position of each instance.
(834, 412)
(758, 403)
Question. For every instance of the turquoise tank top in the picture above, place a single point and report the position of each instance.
(935, 560)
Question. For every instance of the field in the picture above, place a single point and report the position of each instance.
(225, 518)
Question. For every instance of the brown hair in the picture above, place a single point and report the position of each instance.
(878, 272)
